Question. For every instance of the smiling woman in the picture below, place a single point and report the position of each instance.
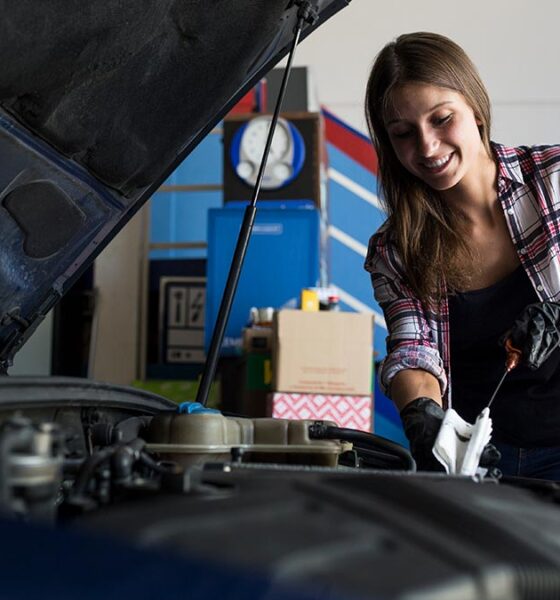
(467, 257)
(419, 88)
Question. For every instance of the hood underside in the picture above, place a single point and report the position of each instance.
(99, 102)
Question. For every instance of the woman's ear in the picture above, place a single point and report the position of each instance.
(480, 126)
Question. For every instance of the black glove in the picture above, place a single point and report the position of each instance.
(535, 332)
(421, 421)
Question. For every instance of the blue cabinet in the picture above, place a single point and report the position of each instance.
(284, 256)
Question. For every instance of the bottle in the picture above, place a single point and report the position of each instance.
(333, 303)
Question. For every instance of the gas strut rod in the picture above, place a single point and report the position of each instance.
(306, 13)
(513, 356)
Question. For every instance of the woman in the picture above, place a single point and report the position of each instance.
(467, 257)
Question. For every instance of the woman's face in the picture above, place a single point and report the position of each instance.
(435, 135)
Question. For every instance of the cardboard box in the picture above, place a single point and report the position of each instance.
(354, 412)
(323, 352)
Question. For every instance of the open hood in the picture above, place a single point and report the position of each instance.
(99, 103)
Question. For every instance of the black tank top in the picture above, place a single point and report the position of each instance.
(526, 411)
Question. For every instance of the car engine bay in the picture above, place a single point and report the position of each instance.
(300, 500)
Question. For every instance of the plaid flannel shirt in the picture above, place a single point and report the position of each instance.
(529, 192)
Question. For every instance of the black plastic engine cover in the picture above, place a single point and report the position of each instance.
(371, 535)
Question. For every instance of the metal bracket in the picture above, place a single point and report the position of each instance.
(307, 11)
(14, 316)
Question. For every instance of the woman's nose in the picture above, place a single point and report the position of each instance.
(427, 142)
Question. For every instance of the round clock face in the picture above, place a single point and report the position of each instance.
(254, 140)
(285, 159)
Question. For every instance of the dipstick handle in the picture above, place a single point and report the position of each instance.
(513, 355)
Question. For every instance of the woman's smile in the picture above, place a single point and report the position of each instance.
(436, 166)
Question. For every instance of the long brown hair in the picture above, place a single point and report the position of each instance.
(426, 230)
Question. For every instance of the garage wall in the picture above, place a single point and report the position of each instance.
(514, 43)
(35, 356)
(116, 336)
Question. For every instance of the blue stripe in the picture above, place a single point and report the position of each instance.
(353, 215)
(347, 271)
(351, 169)
(382, 426)
(384, 406)
(379, 344)
(387, 421)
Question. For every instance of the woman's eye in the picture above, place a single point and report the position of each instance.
(401, 134)
(443, 120)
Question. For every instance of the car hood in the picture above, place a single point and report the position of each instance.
(99, 103)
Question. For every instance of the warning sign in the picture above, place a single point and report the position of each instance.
(182, 303)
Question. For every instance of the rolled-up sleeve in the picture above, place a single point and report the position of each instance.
(411, 340)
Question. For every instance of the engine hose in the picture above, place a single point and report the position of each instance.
(89, 466)
(149, 462)
(319, 430)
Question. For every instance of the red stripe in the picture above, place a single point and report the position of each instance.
(351, 143)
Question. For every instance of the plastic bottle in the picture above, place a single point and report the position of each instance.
(333, 303)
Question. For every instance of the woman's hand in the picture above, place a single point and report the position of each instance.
(422, 419)
(535, 332)
(414, 392)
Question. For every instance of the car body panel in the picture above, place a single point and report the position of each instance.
(92, 120)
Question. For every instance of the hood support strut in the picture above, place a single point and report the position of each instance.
(306, 14)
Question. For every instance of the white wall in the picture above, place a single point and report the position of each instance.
(115, 347)
(35, 356)
(514, 43)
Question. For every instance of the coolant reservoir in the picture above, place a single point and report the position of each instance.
(190, 439)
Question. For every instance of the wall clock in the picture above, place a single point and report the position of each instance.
(286, 158)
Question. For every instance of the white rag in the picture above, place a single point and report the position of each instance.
(459, 444)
